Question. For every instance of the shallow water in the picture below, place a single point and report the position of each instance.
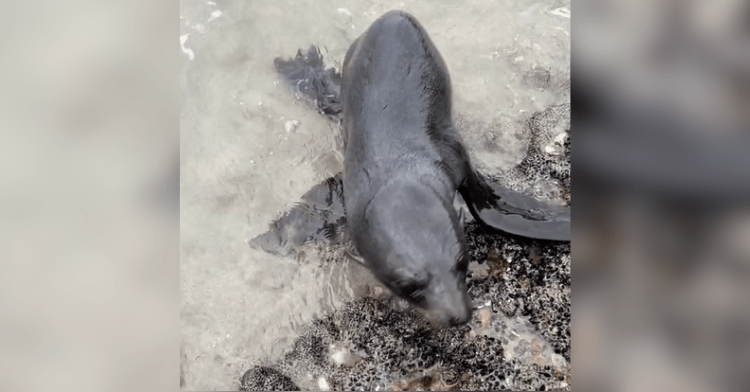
(243, 162)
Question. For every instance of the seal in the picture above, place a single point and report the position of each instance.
(402, 165)
(404, 161)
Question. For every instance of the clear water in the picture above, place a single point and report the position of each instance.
(242, 165)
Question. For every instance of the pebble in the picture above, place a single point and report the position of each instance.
(291, 125)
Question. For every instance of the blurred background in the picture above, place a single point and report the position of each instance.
(88, 223)
(89, 197)
(661, 195)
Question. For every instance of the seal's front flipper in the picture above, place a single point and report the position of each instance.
(513, 212)
(307, 74)
(319, 218)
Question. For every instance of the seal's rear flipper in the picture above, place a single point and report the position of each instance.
(513, 212)
(307, 74)
(319, 218)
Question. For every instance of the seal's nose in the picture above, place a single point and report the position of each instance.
(444, 315)
(447, 308)
(461, 317)
(459, 309)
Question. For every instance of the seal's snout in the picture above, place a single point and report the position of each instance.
(449, 317)
(461, 317)
(449, 309)
(460, 313)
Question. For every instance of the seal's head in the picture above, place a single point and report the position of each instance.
(415, 245)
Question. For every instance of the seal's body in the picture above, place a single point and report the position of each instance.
(403, 162)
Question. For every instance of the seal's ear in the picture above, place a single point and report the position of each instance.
(504, 209)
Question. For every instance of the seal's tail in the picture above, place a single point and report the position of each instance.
(307, 74)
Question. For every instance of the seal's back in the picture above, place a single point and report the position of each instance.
(396, 94)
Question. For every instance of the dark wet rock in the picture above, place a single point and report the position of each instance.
(261, 378)
(518, 339)
(536, 283)
(544, 172)
(548, 154)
